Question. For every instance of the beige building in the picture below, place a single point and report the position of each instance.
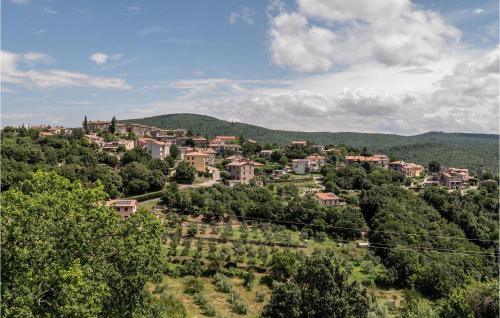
(379, 160)
(198, 160)
(242, 171)
(210, 155)
(408, 168)
(300, 143)
(227, 139)
(220, 145)
(123, 207)
(329, 199)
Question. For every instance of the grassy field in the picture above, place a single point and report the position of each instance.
(251, 246)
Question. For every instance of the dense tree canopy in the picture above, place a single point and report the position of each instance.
(320, 288)
(24, 151)
(413, 239)
(64, 254)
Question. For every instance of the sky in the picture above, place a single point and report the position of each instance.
(387, 66)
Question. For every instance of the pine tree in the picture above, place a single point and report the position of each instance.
(85, 125)
(112, 126)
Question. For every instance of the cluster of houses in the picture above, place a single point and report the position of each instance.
(201, 153)
(46, 130)
(310, 164)
(410, 169)
(453, 178)
(197, 151)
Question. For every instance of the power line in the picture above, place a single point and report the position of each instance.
(364, 230)
(391, 246)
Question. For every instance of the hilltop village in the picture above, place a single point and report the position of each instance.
(208, 218)
(235, 160)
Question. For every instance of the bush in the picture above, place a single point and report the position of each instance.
(222, 283)
(200, 300)
(248, 279)
(192, 230)
(239, 307)
(192, 285)
(192, 268)
(209, 311)
(261, 296)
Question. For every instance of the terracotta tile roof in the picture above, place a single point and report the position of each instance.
(327, 196)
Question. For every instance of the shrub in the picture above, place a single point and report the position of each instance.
(222, 283)
(192, 285)
(209, 311)
(248, 279)
(200, 300)
(239, 307)
(261, 296)
(192, 230)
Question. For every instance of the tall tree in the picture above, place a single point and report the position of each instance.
(321, 288)
(112, 126)
(174, 151)
(434, 166)
(64, 254)
(85, 125)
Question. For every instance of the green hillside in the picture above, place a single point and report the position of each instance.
(474, 151)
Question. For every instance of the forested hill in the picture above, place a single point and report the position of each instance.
(474, 151)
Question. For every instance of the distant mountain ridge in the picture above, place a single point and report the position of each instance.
(474, 151)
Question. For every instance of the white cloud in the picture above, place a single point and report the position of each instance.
(99, 58)
(102, 58)
(366, 98)
(151, 30)
(49, 11)
(478, 11)
(20, 1)
(212, 87)
(18, 69)
(17, 116)
(472, 88)
(133, 8)
(321, 34)
(245, 15)
(40, 31)
(35, 57)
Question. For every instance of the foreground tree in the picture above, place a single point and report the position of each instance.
(64, 254)
(321, 288)
(477, 299)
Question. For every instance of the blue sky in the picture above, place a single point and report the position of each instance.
(330, 65)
